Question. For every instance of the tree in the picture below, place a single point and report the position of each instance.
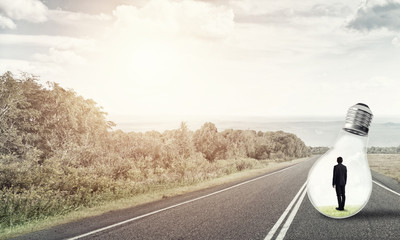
(209, 142)
(46, 121)
(17, 127)
(183, 140)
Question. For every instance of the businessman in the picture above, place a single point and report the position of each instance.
(339, 181)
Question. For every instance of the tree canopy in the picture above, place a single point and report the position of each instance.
(58, 152)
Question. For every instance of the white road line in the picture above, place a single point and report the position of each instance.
(289, 220)
(283, 216)
(179, 204)
(390, 190)
(285, 227)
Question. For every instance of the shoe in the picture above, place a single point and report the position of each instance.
(338, 209)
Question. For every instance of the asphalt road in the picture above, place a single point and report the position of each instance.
(272, 205)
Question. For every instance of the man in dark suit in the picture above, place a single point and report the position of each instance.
(339, 181)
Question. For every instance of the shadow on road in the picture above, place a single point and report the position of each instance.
(377, 214)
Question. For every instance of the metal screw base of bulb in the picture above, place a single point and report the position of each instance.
(358, 119)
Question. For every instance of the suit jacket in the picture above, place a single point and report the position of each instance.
(339, 175)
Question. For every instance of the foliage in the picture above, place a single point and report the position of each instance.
(384, 150)
(318, 150)
(370, 150)
(209, 142)
(16, 118)
(58, 153)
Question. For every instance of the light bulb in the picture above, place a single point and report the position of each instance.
(351, 146)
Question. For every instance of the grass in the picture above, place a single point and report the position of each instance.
(386, 164)
(150, 196)
(332, 212)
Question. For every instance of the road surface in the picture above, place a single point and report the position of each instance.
(271, 206)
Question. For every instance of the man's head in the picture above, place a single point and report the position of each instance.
(339, 159)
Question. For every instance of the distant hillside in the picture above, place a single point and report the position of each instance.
(313, 133)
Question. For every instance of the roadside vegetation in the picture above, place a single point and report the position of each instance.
(384, 150)
(318, 150)
(58, 153)
(370, 150)
(386, 164)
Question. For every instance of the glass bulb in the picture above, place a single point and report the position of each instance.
(351, 146)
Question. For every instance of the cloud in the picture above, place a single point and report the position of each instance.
(7, 23)
(68, 17)
(325, 10)
(288, 15)
(62, 22)
(377, 14)
(60, 57)
(48, 70)
(29, 10)
(44, 49)
(60, 42)
(396, 41)
(195, 19)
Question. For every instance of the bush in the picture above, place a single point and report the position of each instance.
(57, 153)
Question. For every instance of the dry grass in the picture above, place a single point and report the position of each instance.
(263, 167)
(386, 164)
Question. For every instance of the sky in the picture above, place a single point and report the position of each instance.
(235, 57)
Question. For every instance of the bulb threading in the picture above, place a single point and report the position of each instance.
(358, 119)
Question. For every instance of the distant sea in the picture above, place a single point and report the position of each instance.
(314, 132)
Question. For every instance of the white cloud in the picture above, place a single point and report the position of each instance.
(68, 17)
(291, 15)
(396, 41)
(47, 70)
(376, 15)
(60, 57)
(59, 42)
(192, 18)
(30, 10)
(161, 53)
(45, 52)
(7, 23)
(191, 57)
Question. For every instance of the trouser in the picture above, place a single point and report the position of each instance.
(341, 197)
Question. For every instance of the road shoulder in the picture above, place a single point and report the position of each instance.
(386, 181)
(107, 214)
